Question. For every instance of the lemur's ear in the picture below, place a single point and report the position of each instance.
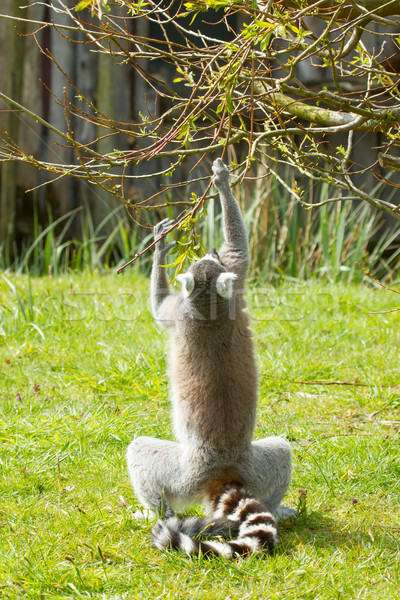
(225, 284)
(187, 281)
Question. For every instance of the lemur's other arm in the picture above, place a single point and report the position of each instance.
(162, 301)
(235, 251)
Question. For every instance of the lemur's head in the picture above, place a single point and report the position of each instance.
(207, 278)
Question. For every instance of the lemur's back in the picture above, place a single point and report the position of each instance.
(214, 395)
(214, 381)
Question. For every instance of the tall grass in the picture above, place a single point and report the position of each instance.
(330, 242)
(287, 241)
(51, 249)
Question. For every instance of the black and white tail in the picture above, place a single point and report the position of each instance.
(237, 514)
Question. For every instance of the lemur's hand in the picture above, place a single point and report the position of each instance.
(158, 230)
(221, 173)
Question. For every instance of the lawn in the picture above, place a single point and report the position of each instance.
(82, 371)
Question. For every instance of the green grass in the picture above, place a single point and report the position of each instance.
(82, 371)
(50, 249)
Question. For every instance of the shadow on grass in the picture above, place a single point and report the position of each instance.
(323, 532)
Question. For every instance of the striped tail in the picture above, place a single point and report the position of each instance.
(237, 514)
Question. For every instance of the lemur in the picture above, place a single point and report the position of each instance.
(214, 389)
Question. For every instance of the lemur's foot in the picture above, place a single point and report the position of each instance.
(221, 173)
(158, 230)
(285, 512)
(144, 514)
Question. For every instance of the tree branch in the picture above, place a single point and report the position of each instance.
(387, 161)
(350, 8)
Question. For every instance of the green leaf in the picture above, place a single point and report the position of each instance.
(83, 4)
(265, 24)
(229, 106)
(180, 258)
(220, 107)
(194, 16)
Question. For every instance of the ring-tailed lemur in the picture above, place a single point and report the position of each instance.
(214, 387)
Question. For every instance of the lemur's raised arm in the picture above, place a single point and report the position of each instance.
(234, 253)
(162, 300)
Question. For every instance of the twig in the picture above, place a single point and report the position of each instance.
(351, 383)
(174, 226)
(355, 383)
(333, 435)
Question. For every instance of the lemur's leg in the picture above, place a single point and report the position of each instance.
(270, 478)
(153, 465)
(161, 475)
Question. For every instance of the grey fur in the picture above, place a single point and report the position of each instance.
(214, 385)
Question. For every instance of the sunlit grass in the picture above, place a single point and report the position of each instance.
(82, 371)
